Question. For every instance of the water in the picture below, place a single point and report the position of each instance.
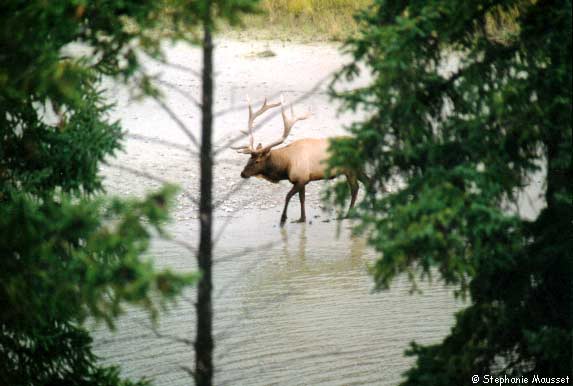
(297, 308)
(293, 306)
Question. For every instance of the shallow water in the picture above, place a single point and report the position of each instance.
(293, 306)
(297, 308)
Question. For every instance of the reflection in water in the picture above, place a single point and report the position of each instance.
(299, 312)
(301, 252)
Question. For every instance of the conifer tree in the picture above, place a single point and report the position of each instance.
(463, 141)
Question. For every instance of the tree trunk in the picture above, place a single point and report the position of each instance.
(204, 340)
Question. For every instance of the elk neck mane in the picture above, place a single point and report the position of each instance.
(276, 166)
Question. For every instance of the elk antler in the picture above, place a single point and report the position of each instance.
(288, 124)
(249, 149)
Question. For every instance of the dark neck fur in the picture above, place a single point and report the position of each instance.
(275, 168)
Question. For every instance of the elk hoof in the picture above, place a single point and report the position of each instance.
(283, 220)
(300, 220)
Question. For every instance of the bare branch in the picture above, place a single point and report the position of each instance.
(218, 203)
(162, 142)
(228, 330)
(245, 251)
(188, 370)
(241, 253)
(144, 174)
(176, 66)
(221, 230)
(171, 338)
(185, 245)
(139, 173)
(229, 194)
(175, 88)
(178, 121)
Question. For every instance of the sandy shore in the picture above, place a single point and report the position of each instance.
(302, 72)
(285, 312)
(299, 71)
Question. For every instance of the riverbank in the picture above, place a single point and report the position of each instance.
(293, 305)
(300, 21)
(157, 146)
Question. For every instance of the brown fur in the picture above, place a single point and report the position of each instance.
(300, 162)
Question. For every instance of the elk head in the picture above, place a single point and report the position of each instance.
(259, 155)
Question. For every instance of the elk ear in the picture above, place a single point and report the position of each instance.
(259, 146)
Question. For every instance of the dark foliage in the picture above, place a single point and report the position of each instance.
(66, 252)
(469, 99)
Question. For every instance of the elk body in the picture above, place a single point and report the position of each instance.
(300, 162)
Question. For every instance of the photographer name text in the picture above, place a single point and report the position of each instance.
(505, 380)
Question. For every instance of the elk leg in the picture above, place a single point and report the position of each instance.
(301, 198)
(353, 190)
(291, 193)
(362, 177)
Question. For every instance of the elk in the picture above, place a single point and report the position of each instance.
(300, 162)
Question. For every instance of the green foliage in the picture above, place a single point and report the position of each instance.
(462, 141)
(66, 253)
(309, 7)
(307, 20)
